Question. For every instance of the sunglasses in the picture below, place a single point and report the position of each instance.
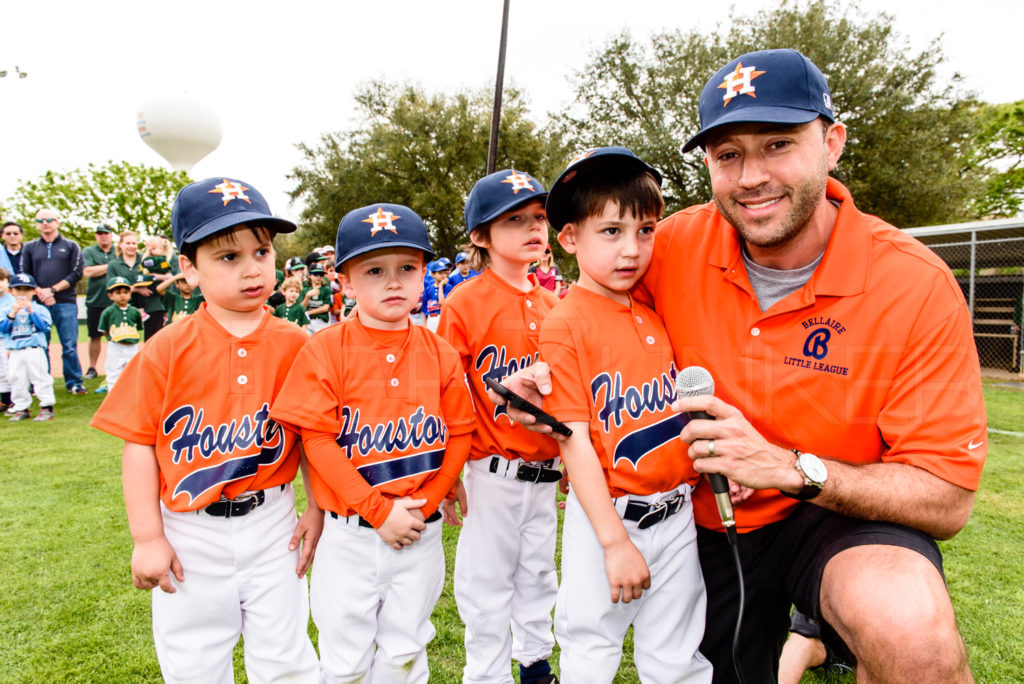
(46, 220)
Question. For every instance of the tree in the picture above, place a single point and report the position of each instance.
(1001, 150)
(910, 133)
(128, 196)
(422, 150)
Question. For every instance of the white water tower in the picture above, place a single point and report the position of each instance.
(180, 128)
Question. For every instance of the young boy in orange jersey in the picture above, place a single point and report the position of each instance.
(629, 545)
(207, 473)
(505, 563)
(386, 418)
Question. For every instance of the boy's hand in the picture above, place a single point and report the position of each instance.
(402, 528)
(627, 571)
(307, 532)
(450, 508)
(151, 561)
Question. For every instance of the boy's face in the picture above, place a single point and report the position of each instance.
(291, 295)
(184, 287)
(120, 295)
(613, 252)
(22, 292)
(235, 270)
(519, 235)
(316, 280)
(388, 283)
(464, 267)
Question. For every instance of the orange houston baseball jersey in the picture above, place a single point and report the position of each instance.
(385, 404)
(495, 328)
(612, 366)
(202, 397)
(872, 360)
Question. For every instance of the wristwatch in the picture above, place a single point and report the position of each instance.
(814, 473)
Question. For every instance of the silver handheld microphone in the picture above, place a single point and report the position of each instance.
(695, 381)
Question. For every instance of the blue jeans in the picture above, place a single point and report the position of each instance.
(65, 319)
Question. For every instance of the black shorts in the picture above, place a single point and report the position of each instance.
(782, 566)
(92, 320)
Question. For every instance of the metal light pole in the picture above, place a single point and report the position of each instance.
(492, 152)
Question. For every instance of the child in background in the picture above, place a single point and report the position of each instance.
(157, 265)
(24, 327)
(505, 563)
(122, 324)
(628, 528)
(180, 298)
(386, 418)
(292, 309)
(317, 300)
(6, 299)
(213, 520)
(462, 270)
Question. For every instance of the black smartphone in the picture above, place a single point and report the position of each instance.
(519, 403)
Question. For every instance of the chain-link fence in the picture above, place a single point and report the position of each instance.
(987, 258)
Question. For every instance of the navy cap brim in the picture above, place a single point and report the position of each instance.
(225, 221)
(379, 246)
(542, 197)
(767, 114)
(557, 209)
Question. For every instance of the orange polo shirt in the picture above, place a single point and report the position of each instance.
(872, 360)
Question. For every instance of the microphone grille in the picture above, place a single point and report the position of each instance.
(694, 381)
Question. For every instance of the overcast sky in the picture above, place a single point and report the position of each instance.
(278, 73)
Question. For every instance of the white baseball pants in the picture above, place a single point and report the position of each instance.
(28, 367)
(372, 604)
(505, 571)
(118, 356)
(239, 580)
(668, 620)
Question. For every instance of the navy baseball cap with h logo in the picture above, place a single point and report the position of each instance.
(767, 86)
(499, 192)
(215, 204)
(380, 226)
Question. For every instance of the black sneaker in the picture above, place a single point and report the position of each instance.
(45, 413)
(78, 389)
(90, 374)
(19, 415)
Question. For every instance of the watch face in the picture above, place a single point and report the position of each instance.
(813, 468)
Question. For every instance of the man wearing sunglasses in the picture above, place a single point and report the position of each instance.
(56, 264)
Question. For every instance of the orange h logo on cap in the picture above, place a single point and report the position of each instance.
(738, 82)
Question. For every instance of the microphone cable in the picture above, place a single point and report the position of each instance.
(739, 612)
(695, 381)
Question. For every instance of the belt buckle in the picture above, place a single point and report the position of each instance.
(249, 503)
(675, 504)
(655, 515)
(536, 473)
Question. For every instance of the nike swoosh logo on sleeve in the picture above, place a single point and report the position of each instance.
(972, 446)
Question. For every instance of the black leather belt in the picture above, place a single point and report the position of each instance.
(537, 472)
(363, 522)
(236, 508)
(645, 514)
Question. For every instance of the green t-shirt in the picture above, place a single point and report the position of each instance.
(321, 295)
(121, 325)
(296, 313)
(179, 307)
(96, 292)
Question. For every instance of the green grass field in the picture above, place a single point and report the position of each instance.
(68, 611)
